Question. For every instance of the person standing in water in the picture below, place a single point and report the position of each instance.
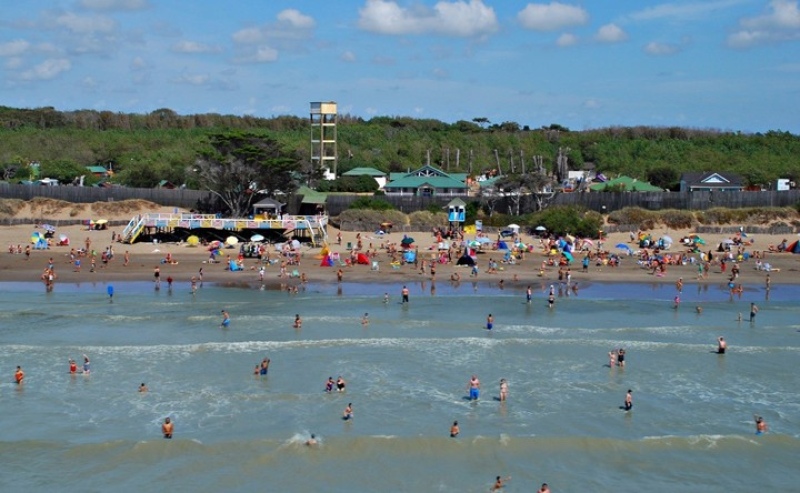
(226, 320)
(454, 430)
(503, 390)
(721, 345)
(474, 388)
(628, 400)
(87, 368)
(761, 425)
(753, 312)
(489, 322)
(167, 427)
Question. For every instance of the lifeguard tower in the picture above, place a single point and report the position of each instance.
(324, 153)
(456, 213)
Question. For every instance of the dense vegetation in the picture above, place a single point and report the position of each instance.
(161, 145)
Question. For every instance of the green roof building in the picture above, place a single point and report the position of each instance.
(426, 181)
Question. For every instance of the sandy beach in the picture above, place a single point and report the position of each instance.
(188, 260)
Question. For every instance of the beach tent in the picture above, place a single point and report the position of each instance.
(409, 256)
(233, 266)
(502, 245)
(794, 247)
(362, 259)
(466, 260)
(327, 261)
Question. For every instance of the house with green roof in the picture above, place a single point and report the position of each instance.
(426, 181)
(625, 184)
(377, 174)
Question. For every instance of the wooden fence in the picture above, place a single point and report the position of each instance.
(598, 201)
(173, 198)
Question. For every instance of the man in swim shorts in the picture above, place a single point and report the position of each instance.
(166, 428)
(404, 293)
(489, 322)
(761, 425)
(721, 345)
(753, 311)
(454, 430)
(474, 388)
(628, 400)
(529, 294)
(264, 369)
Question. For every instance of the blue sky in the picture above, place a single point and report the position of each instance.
(721, 64)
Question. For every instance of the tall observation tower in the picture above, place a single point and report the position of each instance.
(323, 138)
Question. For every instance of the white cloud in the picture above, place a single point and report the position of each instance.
(591, 104)
(683, 11)
(14, 48)
(780, 23)
(114, 5)
(262, 54)
(552, 16)
(660, 49)
(348, 56)
(290, 29)
(48, 69)
(296, 19)
(567, 39)
(89, 82)
(194, 47)
(611, 33)
(138, 63)
(13, 63)
(454, 18)
(193, 80)
(84, 24)
(440, 73)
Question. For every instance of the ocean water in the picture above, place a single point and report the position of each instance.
(691, 428)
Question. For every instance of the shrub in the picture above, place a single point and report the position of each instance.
(371, 203)
(426, 220)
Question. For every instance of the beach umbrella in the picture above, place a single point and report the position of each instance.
(295, 244)
(570, 238)
(101, 221)
(407, 240)
(568, 256)
(231, 240)
(215, 245)
(513, 227)
(727, 241)
(667, 239)
(699, 240)
(541, 228)
(63, 238)
(474, 244)
(48, 227)
(483, 240)
(623, 246)
(521, 245)
(257, 237)
(587, 241)
(193, 240)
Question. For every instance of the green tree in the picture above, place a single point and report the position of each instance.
(241, 165)
(663, 177)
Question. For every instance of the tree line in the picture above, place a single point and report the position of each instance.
(143, 149)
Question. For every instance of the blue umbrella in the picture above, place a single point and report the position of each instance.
(623, 246)
(568, 256)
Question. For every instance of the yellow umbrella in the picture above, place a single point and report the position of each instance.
(193, 240)
(231, 240)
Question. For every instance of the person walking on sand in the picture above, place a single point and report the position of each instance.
(753, 312)
(474, 388)
(167, 427)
